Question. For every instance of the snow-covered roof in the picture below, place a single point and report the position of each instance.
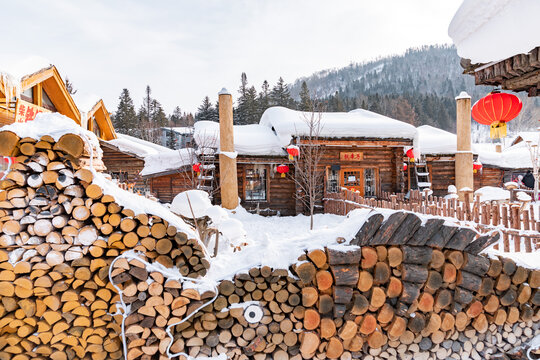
(493, 30)
(12, 73)
(168, 160)
(137, 147)
(513, 157)
(357, 123)
(182, 130)
(527, 136)
(435, 141)
(252, 139)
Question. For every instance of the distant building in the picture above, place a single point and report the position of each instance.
(181, 137)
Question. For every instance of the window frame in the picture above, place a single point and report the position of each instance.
(266, 170)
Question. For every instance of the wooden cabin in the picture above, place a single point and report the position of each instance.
(361, 150)
(41, 91)
(438, 150)
(501, 49)
(125, 158)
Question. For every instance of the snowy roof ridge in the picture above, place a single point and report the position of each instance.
(167, 161)
(478, 24)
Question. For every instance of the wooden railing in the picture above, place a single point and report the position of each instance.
(517, 221)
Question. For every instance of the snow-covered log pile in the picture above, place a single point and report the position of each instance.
(399, 287)
(61, 226)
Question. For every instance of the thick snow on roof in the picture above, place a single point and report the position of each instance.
(435, 141)
(13, 72)
(137, 147)
(168, 160)
(531, 136)
(181, 130)
(248, 139)
(55, 125)
(354, 124)
(493, 30)
(514, 157)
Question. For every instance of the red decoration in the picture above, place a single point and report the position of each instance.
(282, 169)
(197, 168)
(477, 165)
(495, 110)
(293, 151)
(404, 166)
(410, 154)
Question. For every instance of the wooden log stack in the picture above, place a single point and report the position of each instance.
(345, 300)
(58, 235)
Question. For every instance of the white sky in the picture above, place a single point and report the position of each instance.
(188, 49)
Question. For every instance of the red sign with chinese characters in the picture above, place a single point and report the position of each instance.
(25, 111)
(351, 156)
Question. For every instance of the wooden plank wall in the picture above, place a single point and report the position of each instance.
(117, 161)
(166, 187)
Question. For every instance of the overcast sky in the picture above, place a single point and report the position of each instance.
(186, 50)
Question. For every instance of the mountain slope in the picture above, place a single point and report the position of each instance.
(419, 85)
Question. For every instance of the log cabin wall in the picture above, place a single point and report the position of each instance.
(166, 187)
(384, 157)
(278, 193)
(124, 167)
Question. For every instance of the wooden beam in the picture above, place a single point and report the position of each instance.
(530, 79)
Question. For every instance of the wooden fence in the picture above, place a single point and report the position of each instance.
(519, 227)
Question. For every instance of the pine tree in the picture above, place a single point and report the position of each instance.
(69, 87)
(264, 98)
(240, 115)
(280, 96)
(251, 106)
(176, 117)
(305, 98)
(145, 128)
(125, 117)
(158, 117)
(206, 111)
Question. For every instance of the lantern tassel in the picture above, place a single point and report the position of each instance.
(282, 174)
(291, 157)
(497, 130)
(198, 173)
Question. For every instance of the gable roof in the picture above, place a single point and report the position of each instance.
(103, 120)
(51, 81)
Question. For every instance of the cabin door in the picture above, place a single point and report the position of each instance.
(353, 179)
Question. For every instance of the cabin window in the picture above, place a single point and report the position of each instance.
(95, 128)
(46, 101)
(332, 184)
(256, 184)
(28, 95)
(369, 182)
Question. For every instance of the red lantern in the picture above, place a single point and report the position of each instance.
(410, 154)
(197, 168)
(282, 169)
(495, 110)
(293, 151)
(477, 165)
(404, 166)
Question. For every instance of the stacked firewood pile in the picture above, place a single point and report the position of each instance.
(397, 288)
(58, 235)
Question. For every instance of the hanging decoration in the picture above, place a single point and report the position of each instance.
(495, 110)
(197, 168)
(293, 151)
(477, 165)
(404, 166)
(282, 169)
(410, 154)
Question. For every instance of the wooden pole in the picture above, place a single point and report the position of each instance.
(227, 162)
(464, 156)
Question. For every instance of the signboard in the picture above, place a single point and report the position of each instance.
(351, 156)
(25, 111)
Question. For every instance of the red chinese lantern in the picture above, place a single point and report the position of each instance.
(477, 165)
(495, 110)
(282, 169)
(404, 166)
(293, 151)
(410, 154)
(197, 168)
